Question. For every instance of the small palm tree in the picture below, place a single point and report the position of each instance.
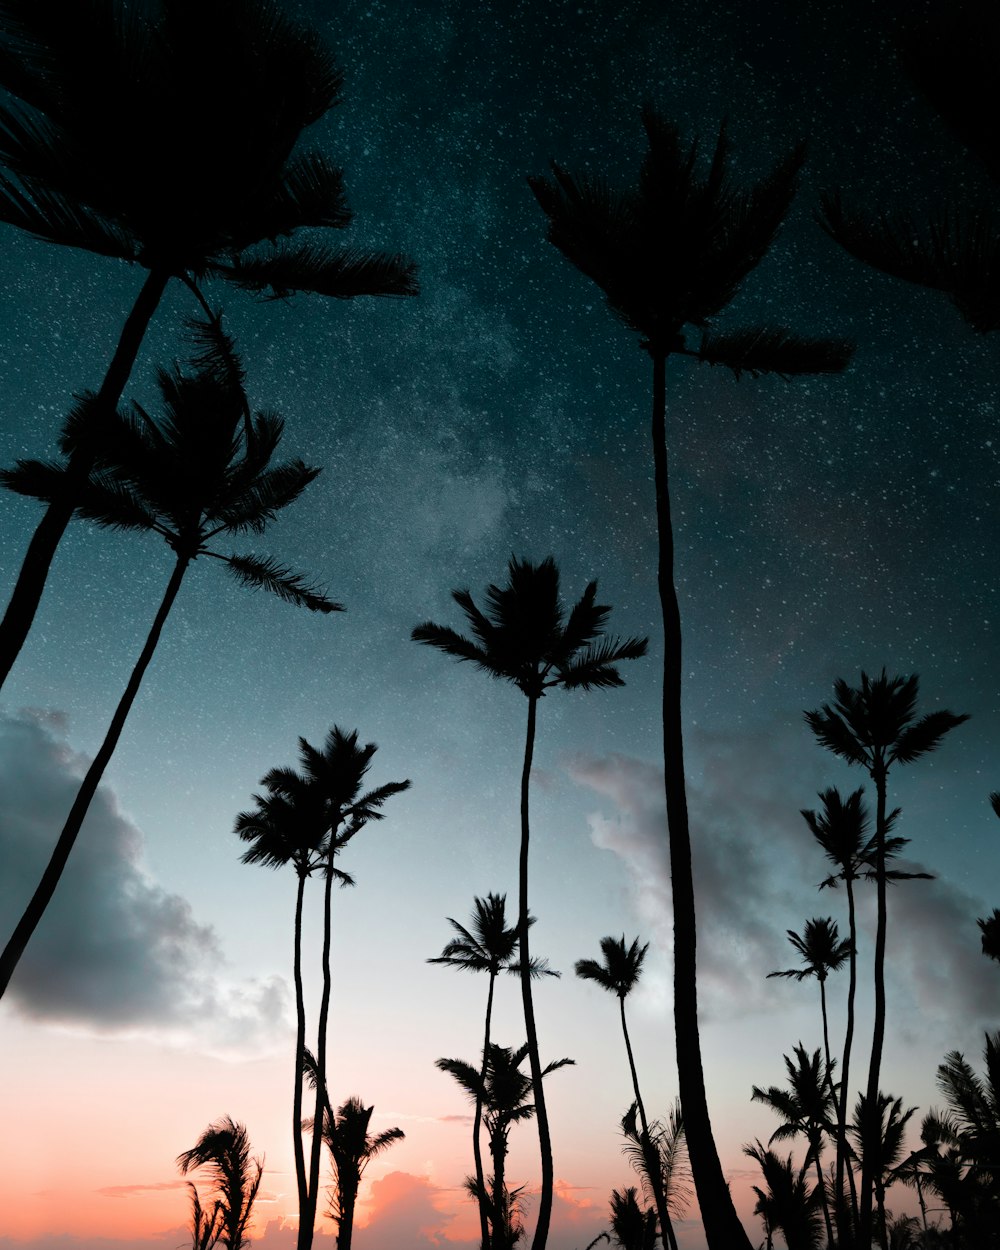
(224, 1149)
(490, 947)
(619, 974)
(352, 1148)
(787, 1205)
(525, 637)
(661, 1153)
(206, 1226)
(875, 727)
(878, 1136)
(669, 252)
(201, 471)
(632, 1228)
(169, 142)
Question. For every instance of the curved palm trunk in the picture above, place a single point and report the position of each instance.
(307, 1222)
(541, 1116)
(655, 1174)
(821, 1182)
(300, 1042)
(868, 1178)
(30, 584)
(50, 877)
(723, 1229)
(844, 1226)
(477, 1151)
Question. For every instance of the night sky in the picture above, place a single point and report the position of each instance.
(823, 525)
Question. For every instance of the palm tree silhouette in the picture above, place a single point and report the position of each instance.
(788, 1204)
(631, 1227)
(878, 1135)
(224, 1148)
(503, 1094)
(202, 470)
(206, 1228)
(874, 726)
(526, 638)
(673, 251)
(490, 947)
(352, 1148)
(619, 974)
(332, 776)
(662, 1151)
(169, 142)
(291, 828)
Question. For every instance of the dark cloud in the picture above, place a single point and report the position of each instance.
(114, 951)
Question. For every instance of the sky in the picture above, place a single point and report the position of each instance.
(824, 527)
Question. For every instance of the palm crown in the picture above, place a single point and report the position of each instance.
(821, 949)
(525, 637)
(621, 968)
(491, 944)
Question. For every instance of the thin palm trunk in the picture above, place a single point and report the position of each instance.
(844, 1228)
(30, 584)
(655, 1175)
(821, 1182)
(323, 1108)
(878, 1028)
(477, 1151)
(50, 877)
(300, 1042)
(345, 1226)
(541, 1116)
(723, 1229)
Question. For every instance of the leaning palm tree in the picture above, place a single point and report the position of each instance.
(525, 637)
(224, 1149)
(619, 974)
(168, 139)
(352, 1148)
(490, 947)
(200, 471)
(875, 727)
(670, 252)
(332, 776)
(504, 1094)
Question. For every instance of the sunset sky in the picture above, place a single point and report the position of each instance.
(824, 526)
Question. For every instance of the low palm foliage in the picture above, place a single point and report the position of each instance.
(223, 1150)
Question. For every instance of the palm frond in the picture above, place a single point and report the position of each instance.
(767, 350)
(266, 573)
(339, 273)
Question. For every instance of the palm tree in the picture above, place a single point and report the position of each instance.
(662, 1153)
(224, 1148)
(822, 952)
(874, 726)
(631, 1226)
(352, 1148)
(526, 638)
(291, 828)
(878, 1135)
(206, 1228)
(788, 1204)
(169, 142)
(503, 1094)
(203, 470)
(619, 974)
(673, 251)
(490, 947)
(333, 776)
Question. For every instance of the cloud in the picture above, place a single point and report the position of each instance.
(114, 951)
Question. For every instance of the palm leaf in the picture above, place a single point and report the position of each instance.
(768, 350)
(268, 574)
(341, 274)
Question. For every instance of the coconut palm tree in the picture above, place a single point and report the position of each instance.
(672, 252)
(788, 1205)
(504, 1097)
(661, 1152)
(490, 947)
(619, 974)
(333, 776)
(632, 1228)
(206, 1228)
(525, 637)
(875, 727)
(291, 828)
(224, 1149)
(352, 1148)
(169, 141)
(200, 471)
(878, 1136)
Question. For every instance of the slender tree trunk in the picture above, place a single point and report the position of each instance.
(50, 877)
(845, 1228)
(300, 1042)
(345, 1226)
(873, 1124)
(655, 1175)
(541, 1116)
(477, 1151)
(27, 593)
(723, 1229)
(821, 1181)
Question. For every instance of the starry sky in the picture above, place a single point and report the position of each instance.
(824, 526)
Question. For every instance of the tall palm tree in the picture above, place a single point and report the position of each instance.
(525, 637)
(352, 1148)
(202, 470)
(673, 251)
(504, 1094)
(875, 727)
(632, 1228)
(619, 974)
(333, 776)
(291, 828)
(224, 1148)
(169, 141)
(490, 947)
